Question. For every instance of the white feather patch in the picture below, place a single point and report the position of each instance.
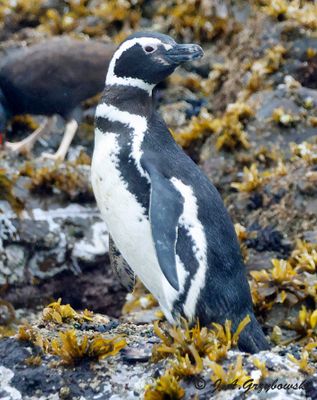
(127, 220)
(113, 79)
(189, 220)
(136, 122)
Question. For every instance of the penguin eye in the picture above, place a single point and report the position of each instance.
(149, 49)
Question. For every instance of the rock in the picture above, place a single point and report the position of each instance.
(306, 70)
(16, 258)
(6, 390)
(44, 265)
(126, 374)
(268, 239)
(8, 231)
(175, 113)
(311, 387)
(36, 233)
(94, 244)
(43, 248)
(53, 248)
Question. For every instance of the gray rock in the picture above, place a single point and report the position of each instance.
(126, 375)
(94, 244)
(45, 243)
(16, 258)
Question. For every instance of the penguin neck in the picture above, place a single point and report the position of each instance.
(129, 98)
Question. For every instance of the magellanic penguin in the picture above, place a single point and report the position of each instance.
(51, 77)
(167, 222)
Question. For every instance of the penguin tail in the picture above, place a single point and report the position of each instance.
(252, 339)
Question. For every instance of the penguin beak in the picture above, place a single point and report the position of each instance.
(184, 52)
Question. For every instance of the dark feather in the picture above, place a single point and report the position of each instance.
(54, 76)
(166, 206)
(120, 267)
(226, 294)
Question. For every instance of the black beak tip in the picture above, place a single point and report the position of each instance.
(198, 52)
(184, 52)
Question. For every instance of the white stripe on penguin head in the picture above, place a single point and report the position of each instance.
(113, 79)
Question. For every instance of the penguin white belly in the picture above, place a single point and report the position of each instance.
(127, 221)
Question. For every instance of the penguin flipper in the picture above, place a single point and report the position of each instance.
(120, 267)
(166, 206)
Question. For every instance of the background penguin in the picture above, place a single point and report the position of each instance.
(52, 77)
(164, 216)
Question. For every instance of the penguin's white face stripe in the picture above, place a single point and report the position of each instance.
(136, 122)
(113, 79)
(189, 220)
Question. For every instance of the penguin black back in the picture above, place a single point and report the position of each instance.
(223, 291)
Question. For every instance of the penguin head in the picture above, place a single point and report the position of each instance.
(146, 58)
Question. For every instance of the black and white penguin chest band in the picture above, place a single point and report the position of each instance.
(123, 193)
